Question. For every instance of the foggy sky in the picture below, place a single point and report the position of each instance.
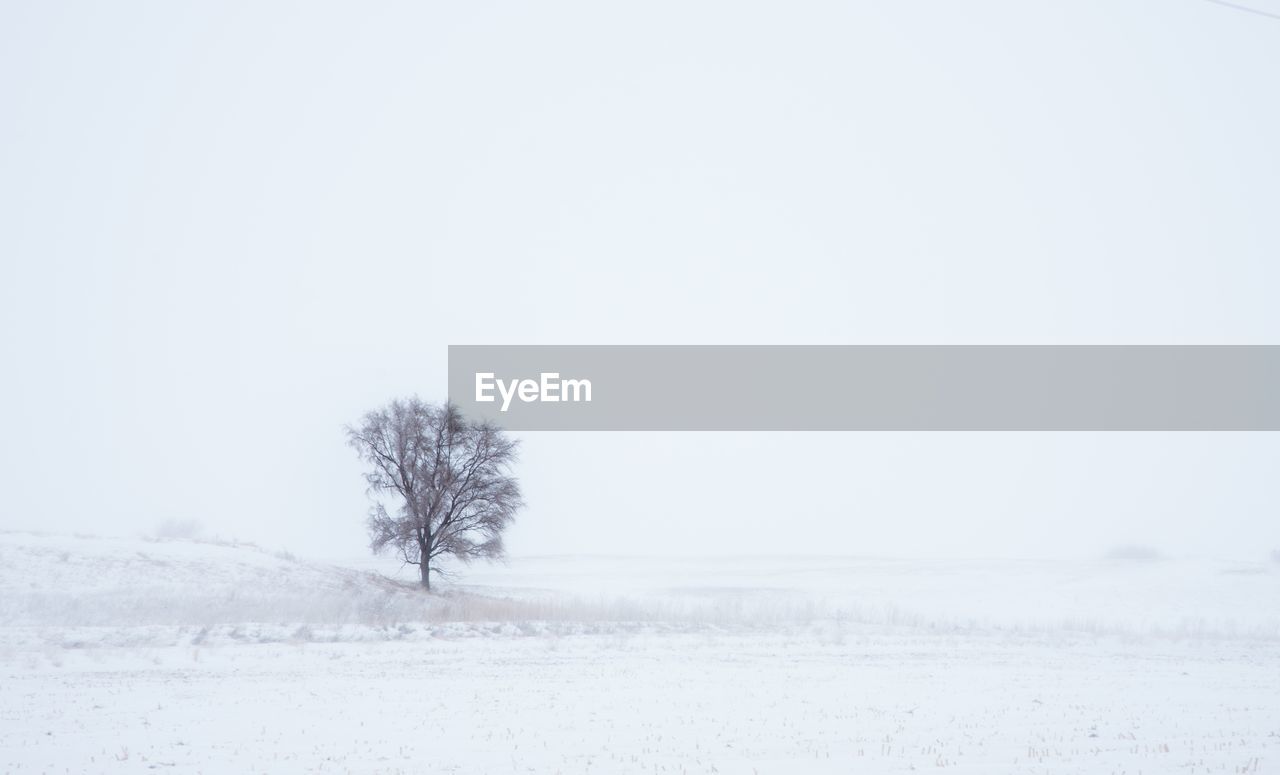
(226, 230)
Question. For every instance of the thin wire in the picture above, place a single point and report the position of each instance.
(1258, 11)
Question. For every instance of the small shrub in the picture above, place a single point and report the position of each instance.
(179, 528)
(1133, 552)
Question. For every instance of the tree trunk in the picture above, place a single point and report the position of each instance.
(424, 558)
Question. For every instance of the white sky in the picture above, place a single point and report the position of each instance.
(227, 229)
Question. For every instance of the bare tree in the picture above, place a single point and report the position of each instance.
(447, 479)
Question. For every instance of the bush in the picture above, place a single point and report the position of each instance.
(1133, 552)
(179, 528)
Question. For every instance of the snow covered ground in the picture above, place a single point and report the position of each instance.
(123, 655)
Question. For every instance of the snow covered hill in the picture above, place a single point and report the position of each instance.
(80, 581)
(89, 581)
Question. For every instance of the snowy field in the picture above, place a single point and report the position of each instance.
(130, 655)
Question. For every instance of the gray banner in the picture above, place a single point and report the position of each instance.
(847, 388)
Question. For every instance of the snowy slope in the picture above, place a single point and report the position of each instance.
(88, 581)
